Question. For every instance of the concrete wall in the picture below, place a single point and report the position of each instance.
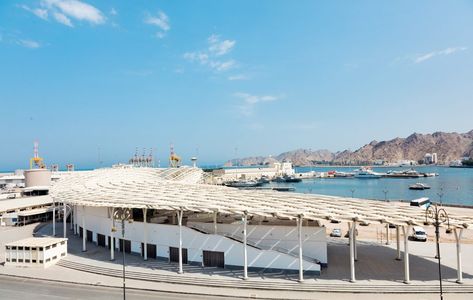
(165, 236)
(314, 240)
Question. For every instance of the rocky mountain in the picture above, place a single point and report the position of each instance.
(448, 146)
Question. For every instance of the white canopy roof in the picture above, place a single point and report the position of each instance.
(175, 189)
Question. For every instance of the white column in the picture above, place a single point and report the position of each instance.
(352, 252)
(299, 232)
(355, 250)
(179, 220)
(405, 231)
(145, 242)
(84, 231)
(387, 233)
(398, 243)
(458, 236)
(64, 219)
(245, 250)
(54, 218)
(112, 237)
(75, 220)
(72, 217)
(215, 222)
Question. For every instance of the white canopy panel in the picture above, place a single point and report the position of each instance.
(175, 189)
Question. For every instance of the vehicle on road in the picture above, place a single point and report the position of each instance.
(418, 234)
(336, 233)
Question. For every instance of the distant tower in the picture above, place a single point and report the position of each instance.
(194, 161)
(174, 159)
(150, 159)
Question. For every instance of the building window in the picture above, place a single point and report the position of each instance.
(47, 259)
(27, 248)
(63, 254)
(34, 261)
(47, 247)
(27, 260)
(13, 247)
(63, 242)
(54, 245)
(13, 260)
(8, 260)
(40, 261)
(33, 248)
(20, 260)
(54, 257)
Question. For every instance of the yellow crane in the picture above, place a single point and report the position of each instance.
(37, 161)
(174, 159)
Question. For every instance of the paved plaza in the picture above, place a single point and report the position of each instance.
(376, 271)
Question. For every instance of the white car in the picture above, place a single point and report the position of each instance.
(336, 233)
(418, 234)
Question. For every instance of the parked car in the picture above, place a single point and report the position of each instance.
(418, 234)
(336, 233)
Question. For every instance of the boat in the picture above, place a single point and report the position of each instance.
(242, 183)
(366, 173)
(343, 174)
(287, 179)
(419, 186)
(411, 173)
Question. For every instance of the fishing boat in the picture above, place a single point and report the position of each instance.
(419, 186)
(287, 179)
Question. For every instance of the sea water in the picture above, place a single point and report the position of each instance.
(453, 185)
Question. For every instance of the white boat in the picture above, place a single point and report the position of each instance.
(367, 173)
(419, 186)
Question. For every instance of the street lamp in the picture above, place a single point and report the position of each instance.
(352, 192)
(122, 214)
(385, 191)
(440, 194)
(439, 216)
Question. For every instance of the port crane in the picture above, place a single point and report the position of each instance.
(174, 159)
(36, 160)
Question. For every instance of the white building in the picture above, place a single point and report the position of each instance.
(277, 169)
(430, 158)
(35, 252)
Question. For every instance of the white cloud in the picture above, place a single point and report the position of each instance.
(161, 21)
(29, 44)
(61, 18)
(65, 10)
(218, 47)
(249, 102)
(39, 12)
(238, 77)
(448, 51)
(211, 57)
(113, 12)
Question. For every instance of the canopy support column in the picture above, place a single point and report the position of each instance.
(387, 233)
(54, 218)
(299, 232)
(405, 231)
(245, 250)
(84, 232)
(75, 220)
(215, 221)
(351, 235)
(355, 250)
(112, 237)
(458, 236)
(72, 217)
(398, 243)
(64, 219)
(179, 220)
(145, 242)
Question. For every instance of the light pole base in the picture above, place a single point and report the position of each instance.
(459, 281)
(407, 282)
(398, 259)
(245, 278)
(180, 272)
(300, 280)
(352, 280)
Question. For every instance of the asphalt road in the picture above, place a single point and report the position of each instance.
(21, 289)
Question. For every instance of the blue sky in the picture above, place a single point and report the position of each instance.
(211, 76)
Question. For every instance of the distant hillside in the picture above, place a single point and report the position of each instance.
(448, 146)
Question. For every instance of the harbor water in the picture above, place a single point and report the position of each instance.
(452, 186)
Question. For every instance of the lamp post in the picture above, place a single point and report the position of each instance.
(439, 216)
(352, 192)
(440, 194)
(122, 214)
(385, 191)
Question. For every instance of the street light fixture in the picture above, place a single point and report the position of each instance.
(439, 216)
(385, 191)
(123, 214)
(352, 192)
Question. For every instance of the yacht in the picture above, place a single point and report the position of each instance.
(366, 173)
(419, 186)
